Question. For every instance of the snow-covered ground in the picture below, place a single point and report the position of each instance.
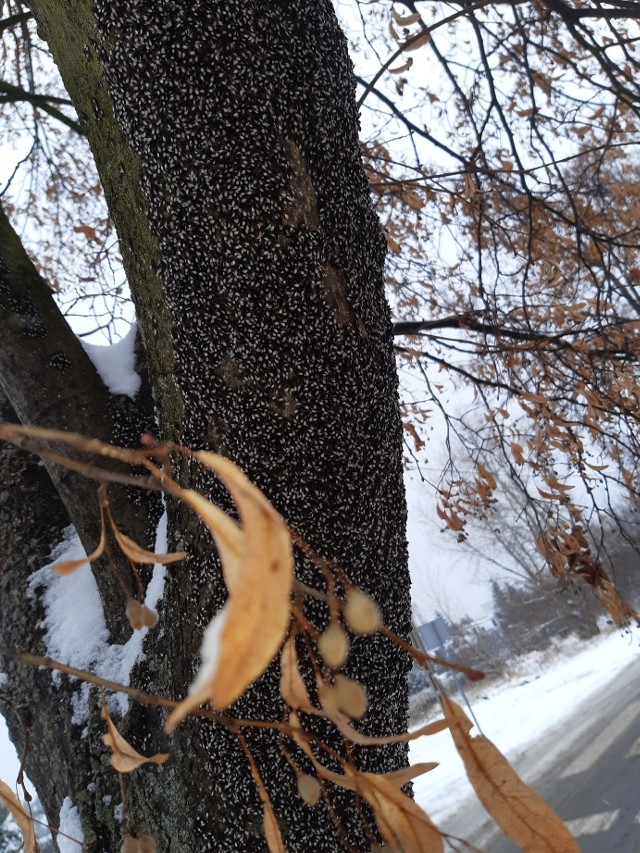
(518, 712)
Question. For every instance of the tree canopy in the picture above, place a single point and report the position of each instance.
(501, 146)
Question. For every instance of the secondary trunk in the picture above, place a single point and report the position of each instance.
(226, 138)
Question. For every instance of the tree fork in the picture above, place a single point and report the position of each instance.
(50, 381)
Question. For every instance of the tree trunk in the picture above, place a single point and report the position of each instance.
(51, 382)
(226, 139)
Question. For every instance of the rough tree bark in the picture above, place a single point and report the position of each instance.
(226, 138)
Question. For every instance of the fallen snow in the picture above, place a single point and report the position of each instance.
(75, 631)
(209, 651)
(71, 826)
(518, 712)
(116, 363)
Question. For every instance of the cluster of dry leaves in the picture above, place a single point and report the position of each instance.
(502, 161)
(259, 622)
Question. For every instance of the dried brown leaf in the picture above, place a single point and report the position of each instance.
(400, 70)
(141, 844)
(89, 233)
(259, 556)
(416, 202)
(272, 833)
(556, 484)
(550, 496)
(343, 724)
(137, 554)
(272, 830)
(401, 822)
(21, 817)
(125, 758)
(67, 567)
(226, 533)
(518, 453)
(419, 41)
(405, 20)
(292, 688)
(417, 438)
(486, 475)
(140, 616)
(401, 777)
(518, 811)
(299, 736)
(392, 243)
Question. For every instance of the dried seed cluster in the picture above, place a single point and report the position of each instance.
(333, 645)
(309, 789)
(361, 613)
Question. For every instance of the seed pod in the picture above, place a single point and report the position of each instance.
(334, 646)
(351, 697)
(134, 614)
(309, 789)
(141, 844)
(140, 616)
(328, 699)
(149, 617)
(361, 613)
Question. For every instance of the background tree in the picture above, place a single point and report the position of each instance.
(500, 144)
(225, 137)
(503, 538)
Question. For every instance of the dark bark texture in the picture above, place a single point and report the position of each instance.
(255, 261)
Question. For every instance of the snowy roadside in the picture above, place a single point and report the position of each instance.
(516, 714)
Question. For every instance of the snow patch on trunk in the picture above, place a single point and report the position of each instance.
(116, 363)
(209, 651)
(75, 630)
(70, 825)
(74, 624)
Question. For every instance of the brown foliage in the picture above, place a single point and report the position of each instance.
(518, 811)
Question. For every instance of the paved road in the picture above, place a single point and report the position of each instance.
(588, 770)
